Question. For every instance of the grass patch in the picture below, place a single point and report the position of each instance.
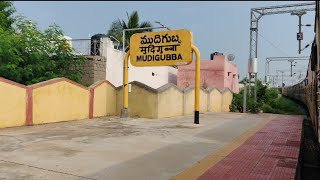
(283, 105)
(269, 100)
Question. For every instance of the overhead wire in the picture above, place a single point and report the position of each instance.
(277, 47)
(273, 45)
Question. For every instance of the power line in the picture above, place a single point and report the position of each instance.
(277, 47)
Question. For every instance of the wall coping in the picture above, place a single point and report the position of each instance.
(56, 80)
(90, 57)
(226, 90)
(98, 83)
(190, 88)
(167, 86)
(214, 88)
(13, 83)
(142, 85)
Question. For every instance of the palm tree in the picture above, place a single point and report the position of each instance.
(118, 26)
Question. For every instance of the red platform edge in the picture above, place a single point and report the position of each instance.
(271, 153)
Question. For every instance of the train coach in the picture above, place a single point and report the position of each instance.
(308, 90)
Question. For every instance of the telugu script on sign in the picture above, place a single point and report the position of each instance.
(165, 48)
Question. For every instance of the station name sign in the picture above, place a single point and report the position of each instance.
(164, 48)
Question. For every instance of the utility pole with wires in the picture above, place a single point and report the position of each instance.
(256, 14)
(276, 59)
(291, 61)
(282, 85)
(299, 34)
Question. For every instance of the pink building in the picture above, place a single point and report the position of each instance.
(218, 73)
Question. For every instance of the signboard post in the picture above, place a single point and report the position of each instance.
(197, 86)
(164, 48)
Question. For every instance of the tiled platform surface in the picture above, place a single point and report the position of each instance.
(271, 153)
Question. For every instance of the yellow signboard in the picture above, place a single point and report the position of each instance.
(164, 48)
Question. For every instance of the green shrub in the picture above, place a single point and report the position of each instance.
(29, 55)
(237, 103)
(253, 107)
(284, 105)
(267, 108)
(268, 99)
(271, 95)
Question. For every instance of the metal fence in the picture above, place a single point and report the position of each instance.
(91, 47)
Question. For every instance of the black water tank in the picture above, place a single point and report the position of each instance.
(95, 44)
(213, 54)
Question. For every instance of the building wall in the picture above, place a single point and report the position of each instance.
(94, 69)
(170, 102)
(172, 75)
(114, 64)
(13, 106)
(189, 101)
(104, 100)
(151, 76)
(119, 102)
(226, 97)
(214, 100)
(59, 100)
(143, 101)
(218, 73)
(231, 79)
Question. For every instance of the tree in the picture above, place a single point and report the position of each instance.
(265, 97)
(244, 80)
(118, 26)
(6, 11)
(29, 55)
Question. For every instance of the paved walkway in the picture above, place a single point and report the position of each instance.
(271, 153)
(111, 148)
(142, 149)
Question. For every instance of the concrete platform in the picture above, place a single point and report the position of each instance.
(135, 149)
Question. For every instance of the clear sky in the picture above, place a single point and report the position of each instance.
(216, 25)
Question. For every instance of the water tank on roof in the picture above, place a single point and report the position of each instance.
(95, 44)
(213, 54)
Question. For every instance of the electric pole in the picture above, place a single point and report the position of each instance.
(256, 14)
(291, 61)
(281, 77)
(299, 34)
